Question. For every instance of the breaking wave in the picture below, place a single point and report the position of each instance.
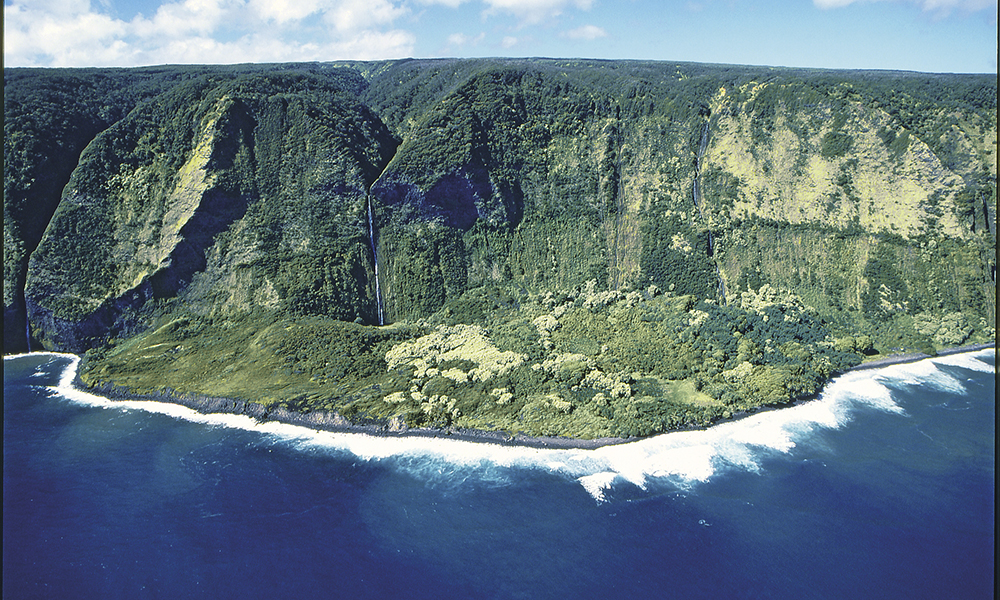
(681, 458)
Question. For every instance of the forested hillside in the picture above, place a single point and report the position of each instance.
(581, 248)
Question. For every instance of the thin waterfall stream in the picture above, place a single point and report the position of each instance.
(371, 237)
(702, 145)
(696, 193)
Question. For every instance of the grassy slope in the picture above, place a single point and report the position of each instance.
(583, 363)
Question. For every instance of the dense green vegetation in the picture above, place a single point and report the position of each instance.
(611, 363)
(542, 260)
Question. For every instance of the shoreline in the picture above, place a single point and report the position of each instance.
(335, 423)
(898, 359)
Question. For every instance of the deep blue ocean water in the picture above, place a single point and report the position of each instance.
(881, 488)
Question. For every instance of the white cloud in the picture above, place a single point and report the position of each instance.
(367, 45)
(62, 7)
(30, 33)
(179, 19)
(283, 11)
(348, 15)
(531, 12)
(587, 32)
(461, 40)
(89, 32)
(73, 33)
(941, 6)
(448, 3)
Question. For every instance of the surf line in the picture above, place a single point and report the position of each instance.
(682, 458)
(371, 237)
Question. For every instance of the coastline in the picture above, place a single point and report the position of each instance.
(898, 359)
(333, 422)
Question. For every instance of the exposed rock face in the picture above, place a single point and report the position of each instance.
(242, 192)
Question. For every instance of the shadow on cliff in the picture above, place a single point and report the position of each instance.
(219, 207)
(456, 200)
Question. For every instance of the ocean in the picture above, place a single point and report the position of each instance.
(882, 487)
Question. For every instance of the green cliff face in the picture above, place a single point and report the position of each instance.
(49, 117)
(226, 197)
(575, 248)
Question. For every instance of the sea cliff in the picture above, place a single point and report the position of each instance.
(574, 248)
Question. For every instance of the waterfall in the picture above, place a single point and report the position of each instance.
(696, 193)
(27, 329)
(371, 237)
(702, 145)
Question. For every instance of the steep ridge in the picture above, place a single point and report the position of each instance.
(580, 248)
(49, 117)
(192, 195)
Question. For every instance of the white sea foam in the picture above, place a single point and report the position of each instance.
(926, 373)
(974, 361)
(24, 354)
(682, 458)
(597, 483)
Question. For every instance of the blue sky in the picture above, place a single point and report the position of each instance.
(916, 35)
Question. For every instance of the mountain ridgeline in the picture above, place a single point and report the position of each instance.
(551, 247)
